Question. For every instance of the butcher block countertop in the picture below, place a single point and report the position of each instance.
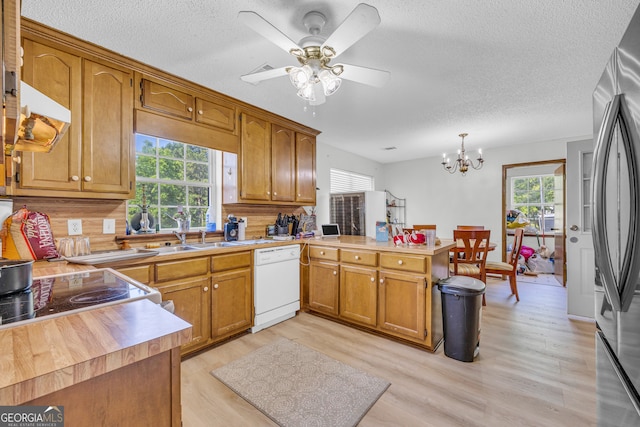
(368, 243)
(43, 356)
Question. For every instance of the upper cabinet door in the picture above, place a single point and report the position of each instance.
(305, 169)
(166, 100)
(57, 74)
(209, 112)
(255, 159)
(107, 129)
(283, 160)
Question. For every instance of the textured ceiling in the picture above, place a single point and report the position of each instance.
(507, 72)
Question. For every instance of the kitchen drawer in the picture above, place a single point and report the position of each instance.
(330, 254)
(403, 262)
(359, 257)
(181, 269)
(230, 261)
(141, 273)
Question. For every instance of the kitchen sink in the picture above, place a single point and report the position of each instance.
(211, 245)
(176, 248)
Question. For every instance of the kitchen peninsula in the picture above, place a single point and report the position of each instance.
(119, 362)
(379, 287)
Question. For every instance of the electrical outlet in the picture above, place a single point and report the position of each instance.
(74, 227)
(108, 226)
(244, 218)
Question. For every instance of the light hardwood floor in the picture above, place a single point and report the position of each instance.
(536, 367)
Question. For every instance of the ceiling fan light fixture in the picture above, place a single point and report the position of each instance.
(307, 93)
(300, 76)
(330, 83)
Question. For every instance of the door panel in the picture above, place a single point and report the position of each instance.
(559, 227)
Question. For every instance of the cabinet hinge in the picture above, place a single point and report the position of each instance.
(131, 82)
(130, 185)
(17, 177)
(426, 333)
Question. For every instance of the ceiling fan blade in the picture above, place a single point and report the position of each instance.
(256, 78)
(359, 23)
(261, 26)
(368, 76)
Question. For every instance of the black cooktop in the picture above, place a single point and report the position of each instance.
(51, 295)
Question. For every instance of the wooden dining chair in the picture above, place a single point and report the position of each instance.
(470, 227)
(510, 267)
(424, 227)
(473, 246)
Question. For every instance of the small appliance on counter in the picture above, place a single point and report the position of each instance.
(231, 228)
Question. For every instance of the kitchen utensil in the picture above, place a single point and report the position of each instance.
(135, 221)
(15, 276)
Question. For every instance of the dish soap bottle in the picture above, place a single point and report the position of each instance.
(210, 220)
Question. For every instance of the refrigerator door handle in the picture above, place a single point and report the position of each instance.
(619, 290)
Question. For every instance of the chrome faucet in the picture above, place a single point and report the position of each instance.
(203, 236)
(182, 237)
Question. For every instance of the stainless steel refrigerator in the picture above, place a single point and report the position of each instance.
(616, 233)
(357, 213)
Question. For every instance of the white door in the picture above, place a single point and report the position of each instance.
(579, 243)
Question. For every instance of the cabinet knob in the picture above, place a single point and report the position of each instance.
(268, 193)
(75, 178)
(299, 195)
(357, 257)
(400, 262)
(215, 286)
(275, 194)
(373, 279)
(335, 273)
(200, 112)
(189, 109)
(87, 178)
(321, 252)
(382, 281)
(206, 288)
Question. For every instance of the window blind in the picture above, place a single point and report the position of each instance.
(346, 182)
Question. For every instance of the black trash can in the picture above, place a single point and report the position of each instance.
(461, 316)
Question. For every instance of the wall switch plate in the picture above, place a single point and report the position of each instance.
(108, 226)
(74, 227)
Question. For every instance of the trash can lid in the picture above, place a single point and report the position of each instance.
(461, 285)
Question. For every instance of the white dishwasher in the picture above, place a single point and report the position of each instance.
(276, 285)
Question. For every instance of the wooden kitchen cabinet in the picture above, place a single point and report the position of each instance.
(324, 287)
(206, 110)
(274, 165)
(232, 294)
(305, 169)
(191, 299)
(359, 294)
(94, 159)
(401, 305)
(231, 302)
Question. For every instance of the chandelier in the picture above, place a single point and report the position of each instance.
(462, 163)
(315, 74)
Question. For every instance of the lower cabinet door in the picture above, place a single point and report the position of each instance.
(231, 302)
(401, 300)
(359, 295)
(324, 279)
(192, 304)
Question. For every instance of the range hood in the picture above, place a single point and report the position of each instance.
(43, 122)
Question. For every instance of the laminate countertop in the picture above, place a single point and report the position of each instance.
(368, 243)
(40, 357)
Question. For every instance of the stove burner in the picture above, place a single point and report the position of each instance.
(99, 296)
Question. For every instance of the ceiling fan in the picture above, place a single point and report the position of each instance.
(317, 77)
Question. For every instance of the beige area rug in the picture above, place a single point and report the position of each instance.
(296, 386)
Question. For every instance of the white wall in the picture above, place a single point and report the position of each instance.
(328, 157)
(433, 195)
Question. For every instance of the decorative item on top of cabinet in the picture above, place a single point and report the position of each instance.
(95, 158)
(275, 165)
